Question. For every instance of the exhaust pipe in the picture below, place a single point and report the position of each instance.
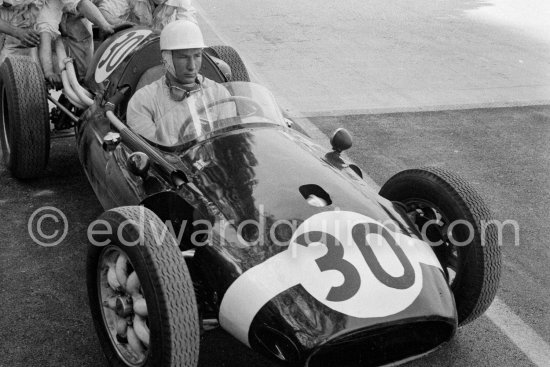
(69, 92)
(74, 92)
(84, 96)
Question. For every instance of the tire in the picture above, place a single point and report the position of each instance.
(429, 192)
(232, 58)
(25, 126)
(164, 282)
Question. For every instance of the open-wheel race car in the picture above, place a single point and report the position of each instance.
(246, 223)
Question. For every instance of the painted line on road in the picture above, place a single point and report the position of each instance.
(510, 324)
(524, 337)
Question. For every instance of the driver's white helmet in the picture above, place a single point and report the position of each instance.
(181, 34)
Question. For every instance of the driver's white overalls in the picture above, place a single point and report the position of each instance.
(153, 114)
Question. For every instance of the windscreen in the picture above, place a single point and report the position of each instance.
(219, 106)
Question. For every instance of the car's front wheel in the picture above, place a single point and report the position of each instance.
(140, 292)
(455, 220)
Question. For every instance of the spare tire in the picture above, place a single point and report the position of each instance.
(25, 126)
(231, 57)
(454, 218)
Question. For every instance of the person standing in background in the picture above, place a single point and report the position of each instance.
(69, 19)
(17, 33)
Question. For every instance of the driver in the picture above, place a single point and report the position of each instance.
(177, 104)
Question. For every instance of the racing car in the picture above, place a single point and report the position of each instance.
(250, 225)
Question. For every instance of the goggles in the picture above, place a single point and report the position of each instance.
(178, 94)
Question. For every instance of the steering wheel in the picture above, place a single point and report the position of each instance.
(256, 109)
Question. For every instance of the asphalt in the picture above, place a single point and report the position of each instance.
(321, 57)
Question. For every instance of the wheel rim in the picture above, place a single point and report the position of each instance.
(420, 212)
(123, 306)
(5, 126)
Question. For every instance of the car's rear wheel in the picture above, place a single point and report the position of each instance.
(140, 292)
(25, 127)
(454, 219)
(231, 57)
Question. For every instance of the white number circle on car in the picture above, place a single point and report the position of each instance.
(117, 52)
(347, 261)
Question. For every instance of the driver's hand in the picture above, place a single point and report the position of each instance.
(54, 80)
(28, 37)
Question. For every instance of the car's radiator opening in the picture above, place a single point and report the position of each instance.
(315, 195)
(386, 345)
(276, 344)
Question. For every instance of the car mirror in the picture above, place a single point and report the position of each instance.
(139, 163)
(341, 140)
(111, 141)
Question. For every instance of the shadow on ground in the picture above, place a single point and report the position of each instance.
(44, 315)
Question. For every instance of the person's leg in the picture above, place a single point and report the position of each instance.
(2, 40)
(78, 40)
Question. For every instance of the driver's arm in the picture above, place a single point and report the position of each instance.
(224, 110)
(140, 115)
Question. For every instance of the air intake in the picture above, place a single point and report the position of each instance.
(382, 346)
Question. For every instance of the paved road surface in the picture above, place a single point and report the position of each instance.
(332, 57)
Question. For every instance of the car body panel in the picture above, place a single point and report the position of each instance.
(241, 172)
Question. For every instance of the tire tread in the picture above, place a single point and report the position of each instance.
(29, 116)
(476, 294)
(169, 276)
(232, 58)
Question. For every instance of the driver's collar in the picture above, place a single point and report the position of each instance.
(179, 91)
(172, 81)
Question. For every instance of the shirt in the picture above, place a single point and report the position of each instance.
(51, 14)
(168, 11)
(137, 11)
(153, 114)
(22, 13)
